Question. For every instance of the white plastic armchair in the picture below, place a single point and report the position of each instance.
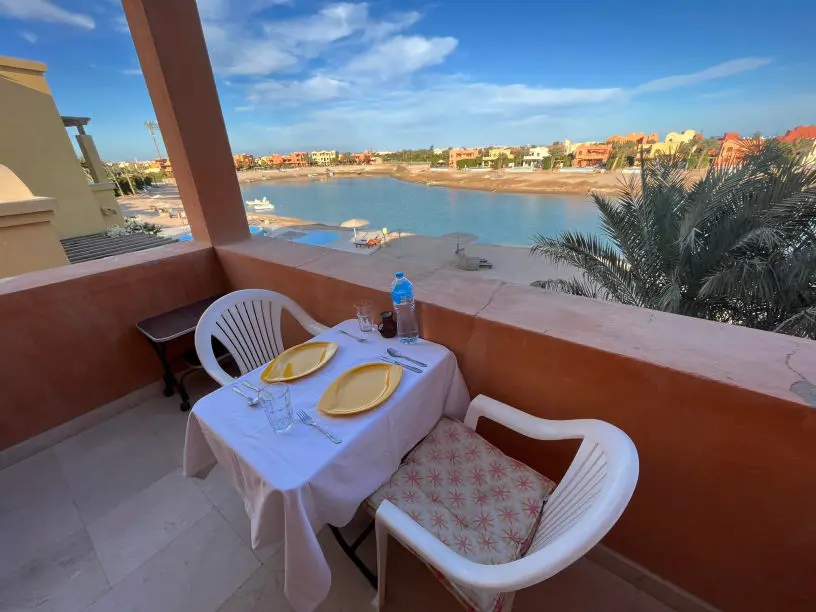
(247, 323)
(584, 506)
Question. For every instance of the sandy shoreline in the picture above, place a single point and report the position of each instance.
(510, 263)
(542, 182)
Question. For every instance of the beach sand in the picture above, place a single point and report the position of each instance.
(538, 181)
(510, 264)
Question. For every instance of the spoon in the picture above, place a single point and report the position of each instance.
(396, 353)
(253, 401)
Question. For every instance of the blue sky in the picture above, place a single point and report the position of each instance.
(302, 75)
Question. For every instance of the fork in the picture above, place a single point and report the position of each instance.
(358, 339)
(307, 420)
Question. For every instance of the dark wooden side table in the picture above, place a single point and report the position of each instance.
(163, 328)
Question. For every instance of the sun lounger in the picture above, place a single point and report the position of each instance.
(367, 239)
(471, 264)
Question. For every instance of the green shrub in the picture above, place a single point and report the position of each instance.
(133, 226)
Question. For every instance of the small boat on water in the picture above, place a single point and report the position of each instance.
(313, 175)
(262, 204)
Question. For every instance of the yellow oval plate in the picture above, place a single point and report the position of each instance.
(361, 388)
(299, 361)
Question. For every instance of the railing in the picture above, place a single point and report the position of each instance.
(726, 448)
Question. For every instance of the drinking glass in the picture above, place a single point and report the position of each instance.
(277, 405)
(365, 316)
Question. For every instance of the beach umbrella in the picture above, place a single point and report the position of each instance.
(354, 224)
(461, 238)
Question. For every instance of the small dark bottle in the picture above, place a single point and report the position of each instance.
(387, 326)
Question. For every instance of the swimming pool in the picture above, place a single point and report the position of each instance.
(318, 238)
(253, 229)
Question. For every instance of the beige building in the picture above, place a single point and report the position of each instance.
(40, 167)
(35, 146)
(28, 237)
(323, 158)
(670, 145)
(680, 137)
(535, 156)
(570, 147)
(495, 153)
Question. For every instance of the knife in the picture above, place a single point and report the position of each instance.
(404, 365)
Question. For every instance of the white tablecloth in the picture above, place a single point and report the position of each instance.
(293, 484)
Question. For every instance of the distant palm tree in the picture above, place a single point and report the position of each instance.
(153, 127)
(738, 245)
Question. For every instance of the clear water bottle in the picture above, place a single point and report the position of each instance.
(402, 294)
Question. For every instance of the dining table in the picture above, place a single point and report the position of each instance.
(295, 483)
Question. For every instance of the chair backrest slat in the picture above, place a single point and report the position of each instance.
(574, 496)
(248, 324)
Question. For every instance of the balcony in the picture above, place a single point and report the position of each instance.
(720, 416)
(104, 520)
(94, 514)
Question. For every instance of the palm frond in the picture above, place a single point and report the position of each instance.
(599, 261)
(737, 245)
(802, 323)
(574, 286)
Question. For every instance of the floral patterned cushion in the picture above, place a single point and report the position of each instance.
(475, 499)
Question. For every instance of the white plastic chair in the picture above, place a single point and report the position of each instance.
(247, 323)
(580, 511)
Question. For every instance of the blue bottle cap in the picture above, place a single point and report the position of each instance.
(400, 274)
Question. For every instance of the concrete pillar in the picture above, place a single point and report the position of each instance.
(91, 155)
(170, 44)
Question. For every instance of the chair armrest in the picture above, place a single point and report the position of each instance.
(315, 328)
(529, 425)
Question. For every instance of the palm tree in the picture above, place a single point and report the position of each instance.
(153, 127)
(737, 245)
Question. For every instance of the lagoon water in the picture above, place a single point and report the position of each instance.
(496, 218)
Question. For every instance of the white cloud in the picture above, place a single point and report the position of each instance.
(401, 55)
(318, 87)
(243, 41)
(719, 71)
(221, 9)
(132, 71)
(29, 36)
(393, 25)
(247, 57)
(488, 97)
(120, 24)
(44, 10)
(330, 24)
(450, 108)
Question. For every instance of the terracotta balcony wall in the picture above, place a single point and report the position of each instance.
(719, 414)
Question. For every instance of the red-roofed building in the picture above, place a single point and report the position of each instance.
(801, 131)
(733, 149)
(456, 154)
(361, 158)
(587, 155)
(297, 159)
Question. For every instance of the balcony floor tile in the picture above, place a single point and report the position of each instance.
(36, 509)
(154, 517)
(147, 539)
(66, 577)
(196, 573)
(110, 462)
